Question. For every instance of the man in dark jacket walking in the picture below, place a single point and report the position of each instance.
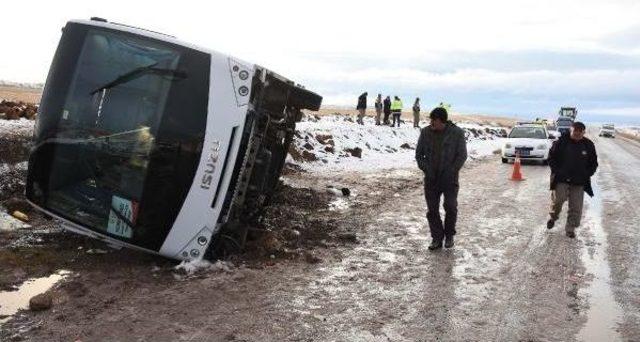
(387, 110)
(440, 154)
(362, 107)
(573, 160)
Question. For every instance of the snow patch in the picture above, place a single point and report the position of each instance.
(192, 266)
(11, 126)
(339, 204)
(8, 222)
(336, 143)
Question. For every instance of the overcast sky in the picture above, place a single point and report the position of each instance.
(493, 56)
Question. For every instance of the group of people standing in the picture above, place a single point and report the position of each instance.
(388, 107)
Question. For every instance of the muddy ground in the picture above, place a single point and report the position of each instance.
(359, 270)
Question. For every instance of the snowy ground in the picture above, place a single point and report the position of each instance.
(336, 143)
(631, 130)
(22, 125)
(15, 138)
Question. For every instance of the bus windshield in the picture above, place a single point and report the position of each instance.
(95, 142)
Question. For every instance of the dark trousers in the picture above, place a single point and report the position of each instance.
(396, 118)
(432, 193)
(386, 117)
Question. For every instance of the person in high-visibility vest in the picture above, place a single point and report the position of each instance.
(396, 110)
(446, 106)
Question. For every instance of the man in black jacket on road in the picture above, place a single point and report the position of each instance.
(440, 154)
(386, 110)
(573, 160)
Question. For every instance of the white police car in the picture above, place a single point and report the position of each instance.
(529, 142)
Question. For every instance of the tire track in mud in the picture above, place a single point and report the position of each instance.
(370, 293)
(488, 287)
(523, 283)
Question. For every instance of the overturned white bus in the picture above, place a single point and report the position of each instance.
(147, 142)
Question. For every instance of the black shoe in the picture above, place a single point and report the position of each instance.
(571, 234)
(435, 245)
(448, 241)
(551, 223)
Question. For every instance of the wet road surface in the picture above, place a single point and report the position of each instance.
(508, 278)
(619, 181)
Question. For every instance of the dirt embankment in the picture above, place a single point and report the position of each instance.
(630, 136)
(11, 110)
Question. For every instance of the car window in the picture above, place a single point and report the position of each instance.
(528, 132)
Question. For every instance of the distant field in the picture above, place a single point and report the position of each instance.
(12, 93)
(32, 95)
(407, 115)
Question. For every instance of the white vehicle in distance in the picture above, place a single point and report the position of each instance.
(529, 142)
(607, 130)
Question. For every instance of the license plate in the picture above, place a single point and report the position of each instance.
(523, 152)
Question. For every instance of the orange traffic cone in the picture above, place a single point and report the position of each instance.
(517, 175)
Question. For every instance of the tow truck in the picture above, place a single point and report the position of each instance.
(148, 142)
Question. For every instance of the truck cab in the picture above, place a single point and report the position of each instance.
(148, 142)
(563, 124)
(569, 112)
(566, 117)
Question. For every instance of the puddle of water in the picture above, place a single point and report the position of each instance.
(604, 312)
(12, 301)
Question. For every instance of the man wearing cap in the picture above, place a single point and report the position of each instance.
(573, 160)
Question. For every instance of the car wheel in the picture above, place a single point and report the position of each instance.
(505, 160)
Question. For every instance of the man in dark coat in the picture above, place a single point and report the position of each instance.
(440, 154)
(386, 110)
(573, 160)
(378, 106)
(416, 113)
(362, 107)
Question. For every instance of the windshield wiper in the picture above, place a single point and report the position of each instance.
(139, 72)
